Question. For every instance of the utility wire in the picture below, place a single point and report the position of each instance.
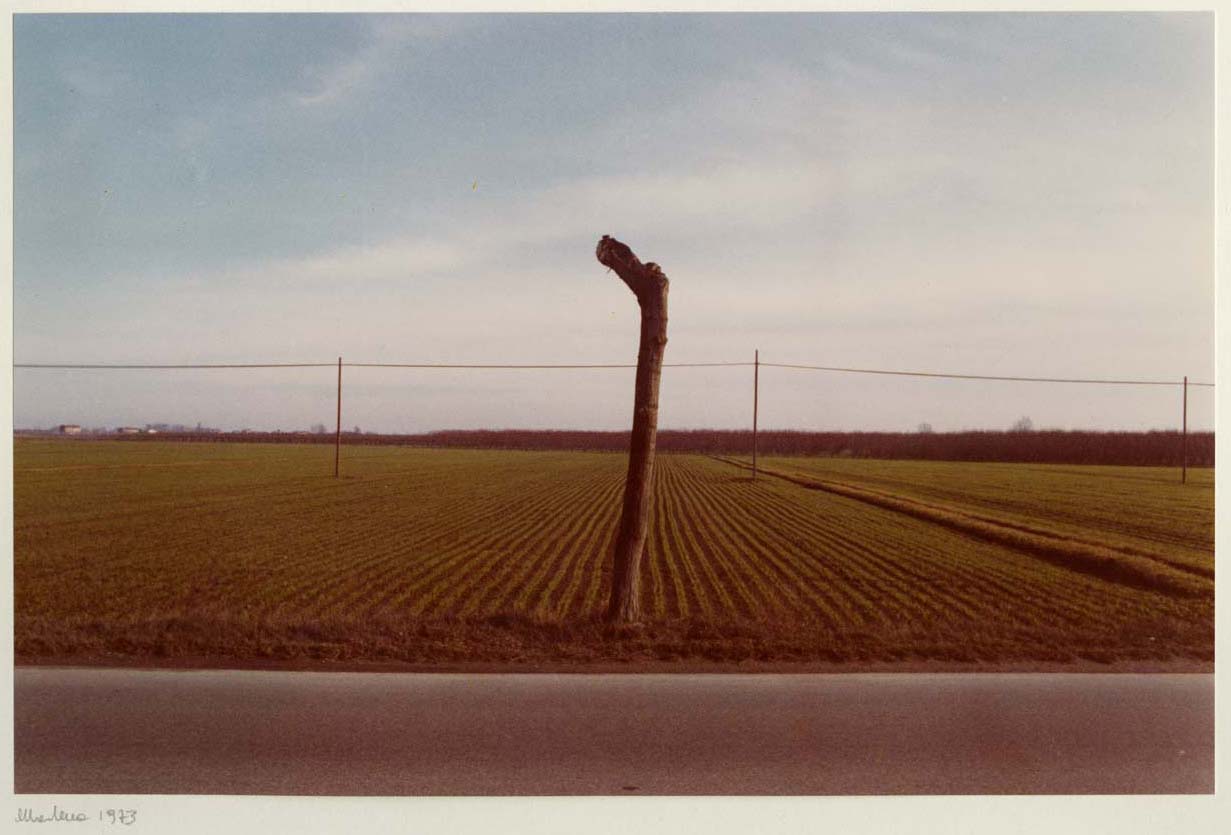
(95, 366)
(429, 365)
(987, 377)
(578, 365)
(195, 365)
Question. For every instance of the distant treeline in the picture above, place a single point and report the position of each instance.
(1046, 446)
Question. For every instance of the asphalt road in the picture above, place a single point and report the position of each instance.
(104, 731)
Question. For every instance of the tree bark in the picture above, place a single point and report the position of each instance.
(649, 285)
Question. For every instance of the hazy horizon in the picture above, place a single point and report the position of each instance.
(995, 194)
(329, 430)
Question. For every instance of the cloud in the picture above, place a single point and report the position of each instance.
(333, 83)
(702, 201)
(393, 260)
(748, 195)
(387, 37)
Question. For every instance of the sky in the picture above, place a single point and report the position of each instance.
(997, 194)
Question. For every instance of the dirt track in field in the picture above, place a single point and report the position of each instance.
(1134, 567)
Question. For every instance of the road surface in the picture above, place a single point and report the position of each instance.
(104, 731)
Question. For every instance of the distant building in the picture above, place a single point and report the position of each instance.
(69, 429)
(128, 430)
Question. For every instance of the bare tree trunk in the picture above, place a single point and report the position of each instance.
(649, 285)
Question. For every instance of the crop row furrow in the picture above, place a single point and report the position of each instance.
(828, 597)
(793, 567)
(671, 590)
(573, 597)
(696, 552)
(398, 563)
(744, 575)
(1012, 578)
(878, 563)
(764, 570)
(503, 557)
(533, 553)
(857, 565)
(475, 516)
(537, 591)
(475, 560)
(560, 588)
(689, 581)
(987, 584)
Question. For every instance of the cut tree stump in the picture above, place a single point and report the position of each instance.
(649, 285)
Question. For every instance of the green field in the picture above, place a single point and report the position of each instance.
(256, 551)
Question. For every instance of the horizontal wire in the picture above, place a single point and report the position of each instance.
(576, 365)
(196, 365)
(95, 366)
(426, 365)
(988, 377)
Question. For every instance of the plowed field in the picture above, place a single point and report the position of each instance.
(246, 551)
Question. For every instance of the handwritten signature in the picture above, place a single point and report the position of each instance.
(26, 814)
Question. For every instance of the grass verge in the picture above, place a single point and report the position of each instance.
(519, 639)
